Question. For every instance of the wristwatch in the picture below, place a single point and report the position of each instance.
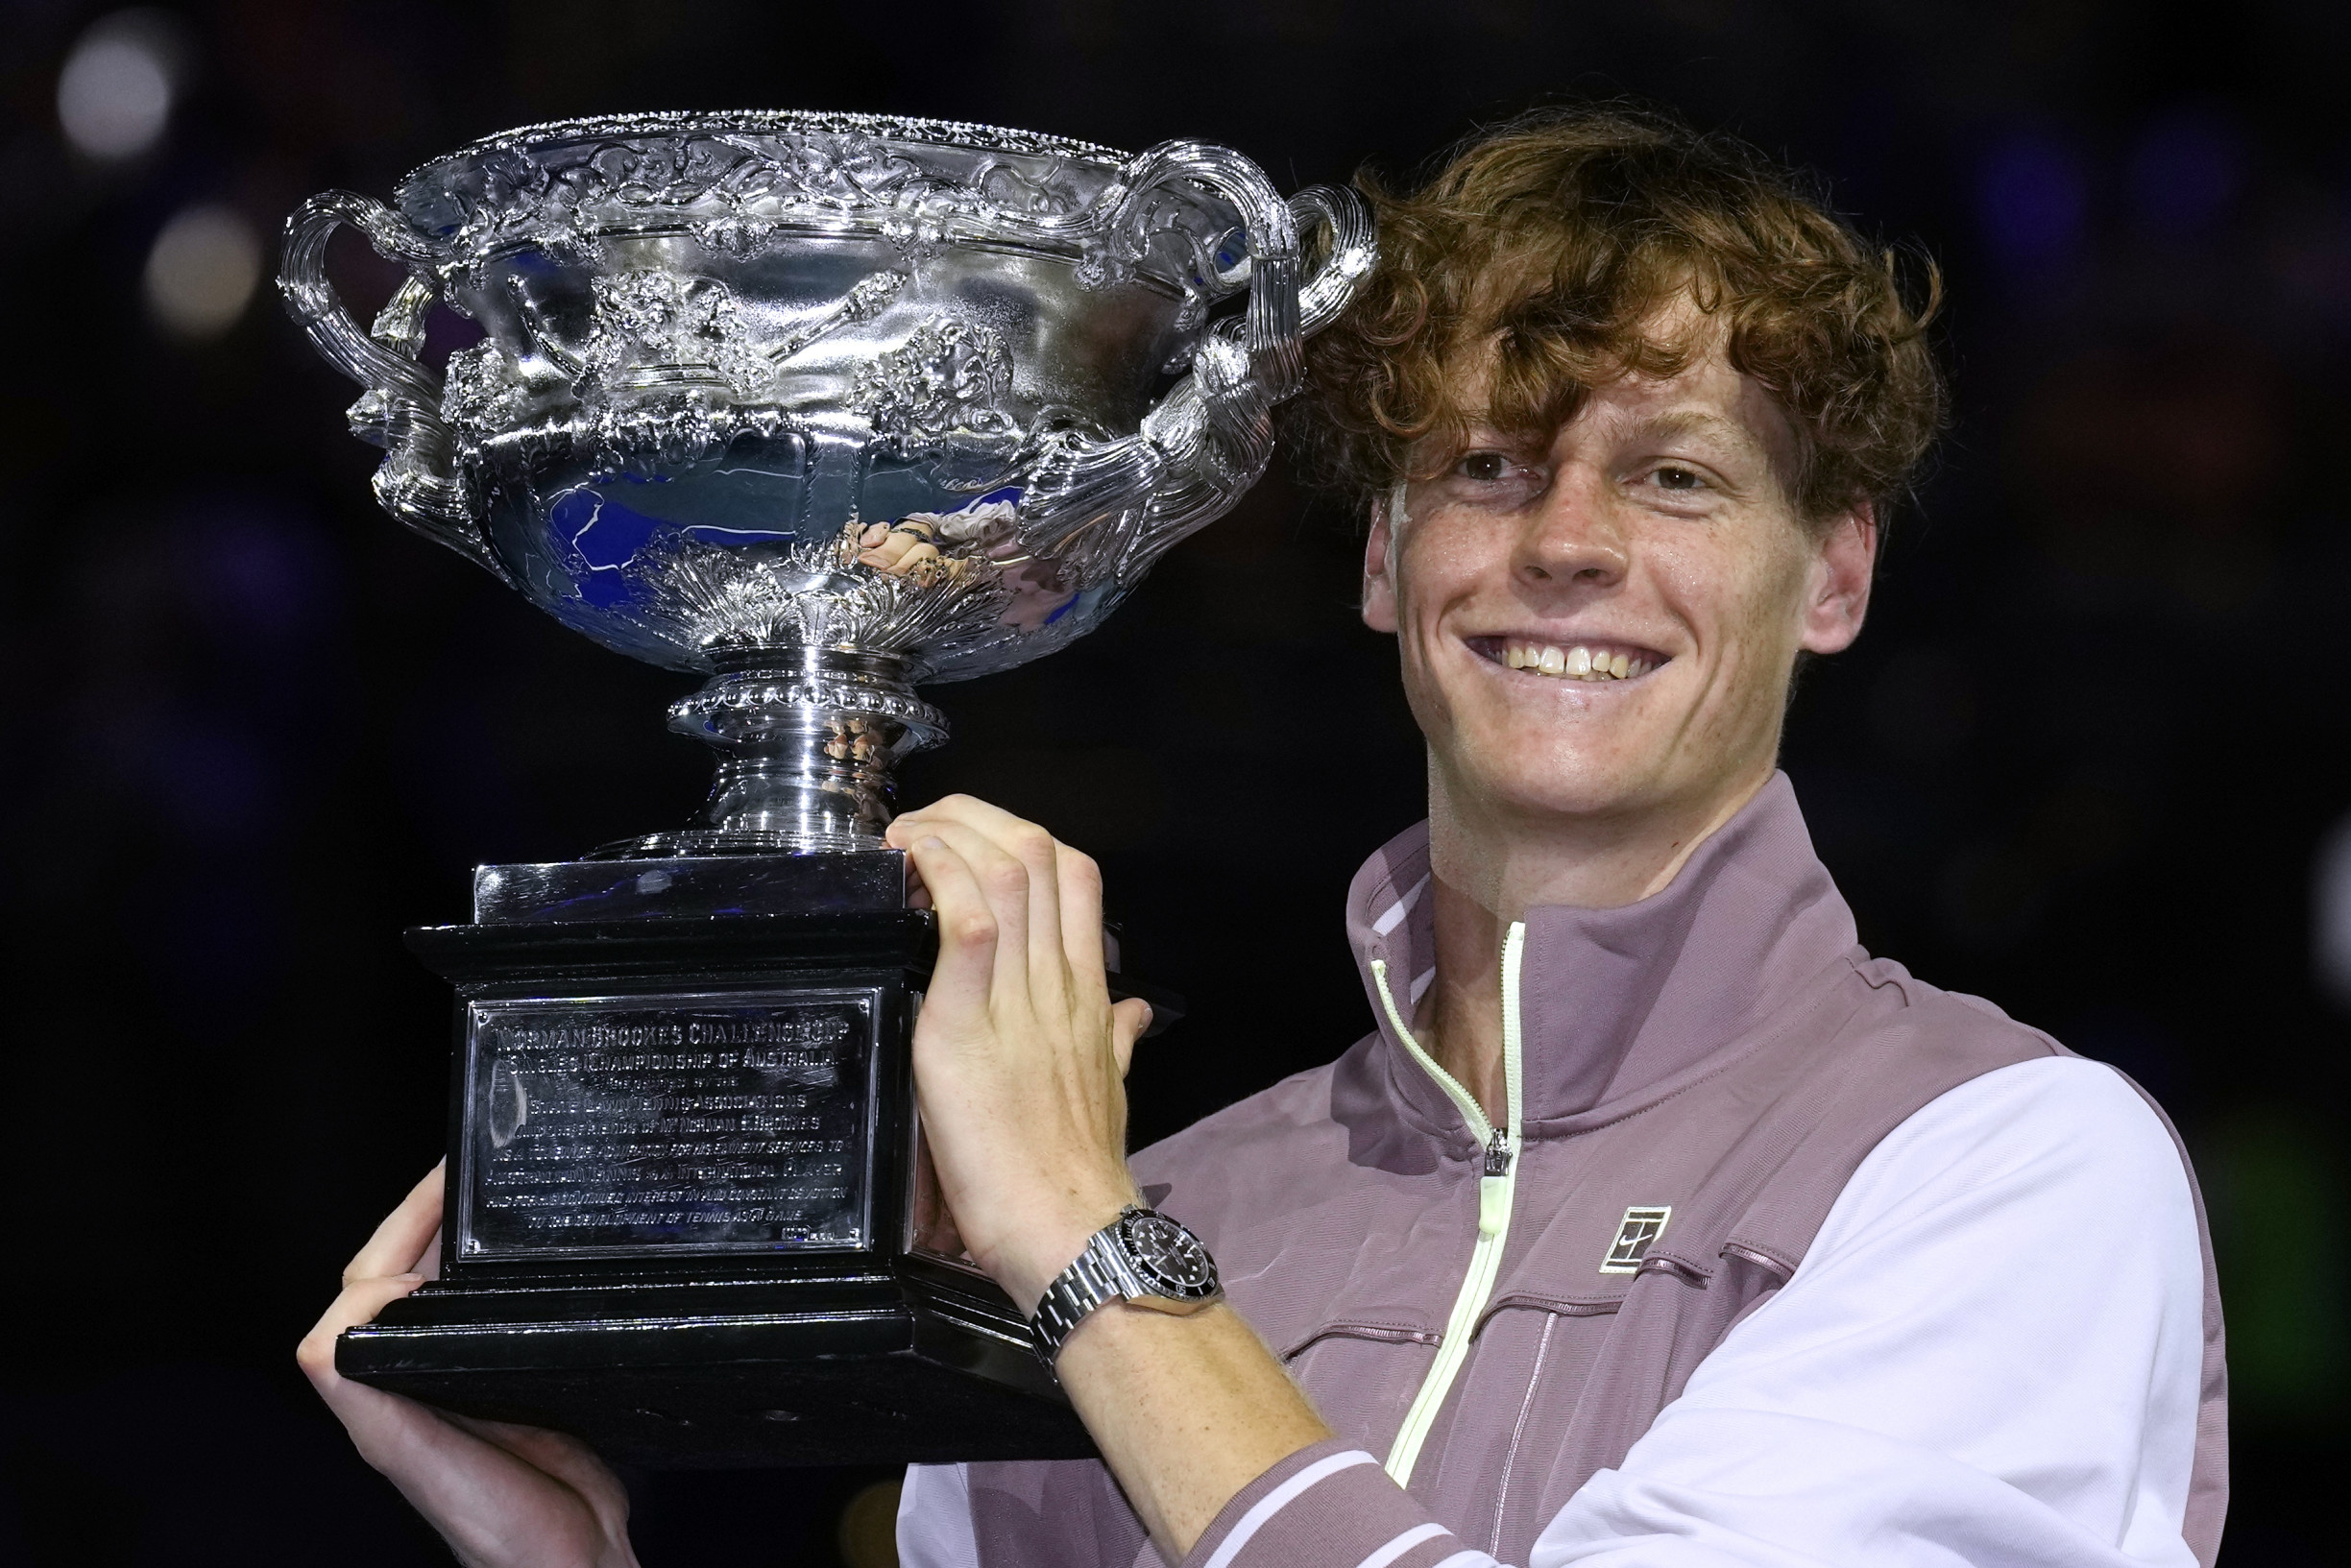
(1141, 1258)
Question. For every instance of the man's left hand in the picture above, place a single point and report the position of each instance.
(1019, 1051)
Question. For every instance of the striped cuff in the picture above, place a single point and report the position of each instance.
(1327, 1506)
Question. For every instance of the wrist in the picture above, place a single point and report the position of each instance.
(1031, 1260)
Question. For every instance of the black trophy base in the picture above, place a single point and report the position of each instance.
(687, 1215)
(719, 1376)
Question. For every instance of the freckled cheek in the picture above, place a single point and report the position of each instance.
(1686, 587)
(1437, 567)
(1730, 610)
(1725, 599)
(1747, 681)
(1440, 551)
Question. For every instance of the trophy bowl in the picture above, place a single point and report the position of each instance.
(825, 405)
(819, 406)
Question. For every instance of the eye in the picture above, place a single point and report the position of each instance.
(1673, 476)
(1492, 479)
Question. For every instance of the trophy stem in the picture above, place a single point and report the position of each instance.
(806, 740)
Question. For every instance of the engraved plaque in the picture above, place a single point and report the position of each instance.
(732, 1123)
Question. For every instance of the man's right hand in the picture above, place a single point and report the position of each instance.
(502, 1496)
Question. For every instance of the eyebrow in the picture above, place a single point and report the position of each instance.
(1665, 426)
(1690, 421)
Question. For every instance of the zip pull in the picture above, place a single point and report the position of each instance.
(1493, 1189)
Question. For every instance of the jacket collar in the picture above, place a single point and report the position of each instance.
(1619, 1006)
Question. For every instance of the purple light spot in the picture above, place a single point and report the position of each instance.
(2032, 197)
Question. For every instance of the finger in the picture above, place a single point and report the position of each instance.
(358, 1304)
(984, 816)
(908, 826)
(991, 821)
(967, 931)
(1081, 913)
(1040, 947)
(557, 1453)
(398, 1243)
(1005, 881)
(980, 833)
(900, 835)
(1128, 1022)
(490, 1504)
(1039, 854)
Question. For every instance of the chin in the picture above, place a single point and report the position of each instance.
(1565, 782)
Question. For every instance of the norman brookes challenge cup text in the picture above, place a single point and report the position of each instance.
(710, 1124)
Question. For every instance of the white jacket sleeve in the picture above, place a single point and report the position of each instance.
(1991, 1354)
(935, 1522)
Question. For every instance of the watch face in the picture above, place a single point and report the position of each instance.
(1168, 1256)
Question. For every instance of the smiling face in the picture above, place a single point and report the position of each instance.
(1605, 629)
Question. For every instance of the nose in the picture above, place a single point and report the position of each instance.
(1571, 540)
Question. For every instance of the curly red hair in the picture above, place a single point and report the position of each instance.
(1551, 249)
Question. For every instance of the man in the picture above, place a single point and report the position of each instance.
(1656, 1223)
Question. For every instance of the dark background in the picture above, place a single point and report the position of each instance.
(2084, 763)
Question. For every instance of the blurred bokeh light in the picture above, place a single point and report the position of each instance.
(202, 272)
(114, 94)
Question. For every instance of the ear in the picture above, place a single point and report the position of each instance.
(1379, 597)
(1837, 586)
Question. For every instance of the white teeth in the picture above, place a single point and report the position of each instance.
(1576, 664)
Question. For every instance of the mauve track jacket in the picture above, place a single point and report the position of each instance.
(1492, 1318)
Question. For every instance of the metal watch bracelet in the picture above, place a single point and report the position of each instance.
(1103, 1272)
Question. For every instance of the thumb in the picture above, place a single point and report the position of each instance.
(1128, 1019)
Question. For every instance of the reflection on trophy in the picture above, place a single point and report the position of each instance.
(823, 406)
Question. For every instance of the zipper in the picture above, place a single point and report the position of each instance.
(1496, 1189)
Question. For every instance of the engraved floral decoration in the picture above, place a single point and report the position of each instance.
(801, 595)
(948, 382)
(659, 328)
(483, 395)
(649, 330)
(731, 181)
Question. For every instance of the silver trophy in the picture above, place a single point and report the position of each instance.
(825, 405)
(822, 406)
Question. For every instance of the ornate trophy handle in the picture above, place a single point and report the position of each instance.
(401, 408)
(1216, 425)
(1211, 436)
(1354, 247)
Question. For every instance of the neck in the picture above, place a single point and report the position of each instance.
(1489, 865)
